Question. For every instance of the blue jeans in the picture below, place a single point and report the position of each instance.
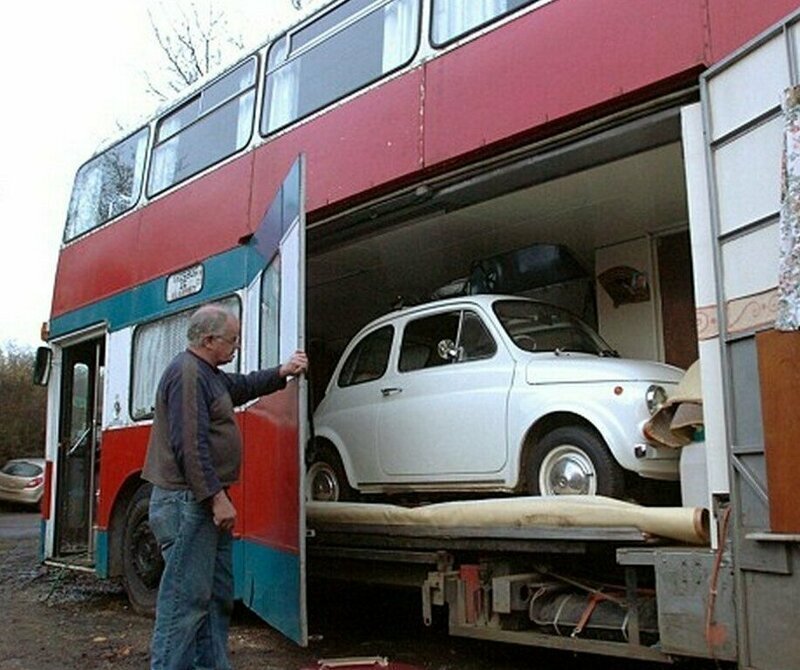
(195, 597)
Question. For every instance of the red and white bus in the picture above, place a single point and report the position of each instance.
(433, 134)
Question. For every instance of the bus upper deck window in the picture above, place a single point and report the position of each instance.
(214, 124)
(367, 40)
(107, 186)
(454, 18)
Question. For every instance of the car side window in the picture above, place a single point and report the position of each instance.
(369, 359)
(421, 339)
(475, 341)
(444, 338)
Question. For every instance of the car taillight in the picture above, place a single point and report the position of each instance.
(33, 483)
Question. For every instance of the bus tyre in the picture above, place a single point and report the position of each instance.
(142, 564)
(574, 460)
(325, 477)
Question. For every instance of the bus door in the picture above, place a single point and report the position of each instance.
(78, 449)
(271, 550)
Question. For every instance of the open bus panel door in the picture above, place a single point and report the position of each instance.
(270, 556)
(734, 150)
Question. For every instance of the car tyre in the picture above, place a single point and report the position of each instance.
(326, 480)
(574, 460)
(142, 563)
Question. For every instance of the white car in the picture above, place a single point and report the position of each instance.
(486, 393)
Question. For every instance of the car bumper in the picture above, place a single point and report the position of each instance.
(657, 463)
(21, 496)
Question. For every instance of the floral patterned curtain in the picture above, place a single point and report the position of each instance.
(788, 317)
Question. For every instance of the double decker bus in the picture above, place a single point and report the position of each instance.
(383, 148)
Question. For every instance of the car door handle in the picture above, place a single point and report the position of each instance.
(390, 390)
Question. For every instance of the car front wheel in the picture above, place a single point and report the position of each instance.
(573, 460)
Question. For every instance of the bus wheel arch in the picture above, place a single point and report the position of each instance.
(142, 564)
(116, 526)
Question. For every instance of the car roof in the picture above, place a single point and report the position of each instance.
(34, 460)
(482, 299)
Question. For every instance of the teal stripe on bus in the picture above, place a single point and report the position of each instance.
(42, 533)
(222, 274)
(268, 580)
(101, 556)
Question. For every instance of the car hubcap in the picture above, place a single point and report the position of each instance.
(322, 483)
(567, 470)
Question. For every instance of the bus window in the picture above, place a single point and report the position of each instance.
(269, 353)
(365, 43)
(213, 125)
(154, 345)
(336, 17)
(107, 185)
(454, 18)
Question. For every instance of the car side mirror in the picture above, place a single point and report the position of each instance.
(41, 366)
(447, 350)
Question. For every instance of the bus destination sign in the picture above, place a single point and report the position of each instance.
(185, 283)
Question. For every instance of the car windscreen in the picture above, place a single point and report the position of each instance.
(535, 326)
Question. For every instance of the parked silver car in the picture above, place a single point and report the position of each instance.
(486, 393)
(22, 481)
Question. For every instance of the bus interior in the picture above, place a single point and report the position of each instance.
(613, 198)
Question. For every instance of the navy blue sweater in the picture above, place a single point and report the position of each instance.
(195, 442)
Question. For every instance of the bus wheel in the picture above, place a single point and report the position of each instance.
(142, 564)
(325, 477)
(574, 460)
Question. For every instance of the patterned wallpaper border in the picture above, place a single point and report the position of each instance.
(752, 312)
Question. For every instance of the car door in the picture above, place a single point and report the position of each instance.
(443, 409)
(351, 411)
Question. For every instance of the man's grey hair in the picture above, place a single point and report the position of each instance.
(208, 320)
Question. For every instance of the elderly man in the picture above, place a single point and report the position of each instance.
(192, 458)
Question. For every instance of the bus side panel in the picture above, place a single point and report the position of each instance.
(613, 48)
(111, 271)
(121, 456)
(735, 22)
(214, 208)
(268, 570)
(270, 473)
(370, 141)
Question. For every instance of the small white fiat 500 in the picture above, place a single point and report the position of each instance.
(486, 393)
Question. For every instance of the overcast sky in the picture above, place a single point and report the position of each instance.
(71, 71)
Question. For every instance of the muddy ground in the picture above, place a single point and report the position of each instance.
(60, 619)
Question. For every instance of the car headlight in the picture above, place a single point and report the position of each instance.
(655, 397)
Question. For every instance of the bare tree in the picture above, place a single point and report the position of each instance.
(194, 36)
